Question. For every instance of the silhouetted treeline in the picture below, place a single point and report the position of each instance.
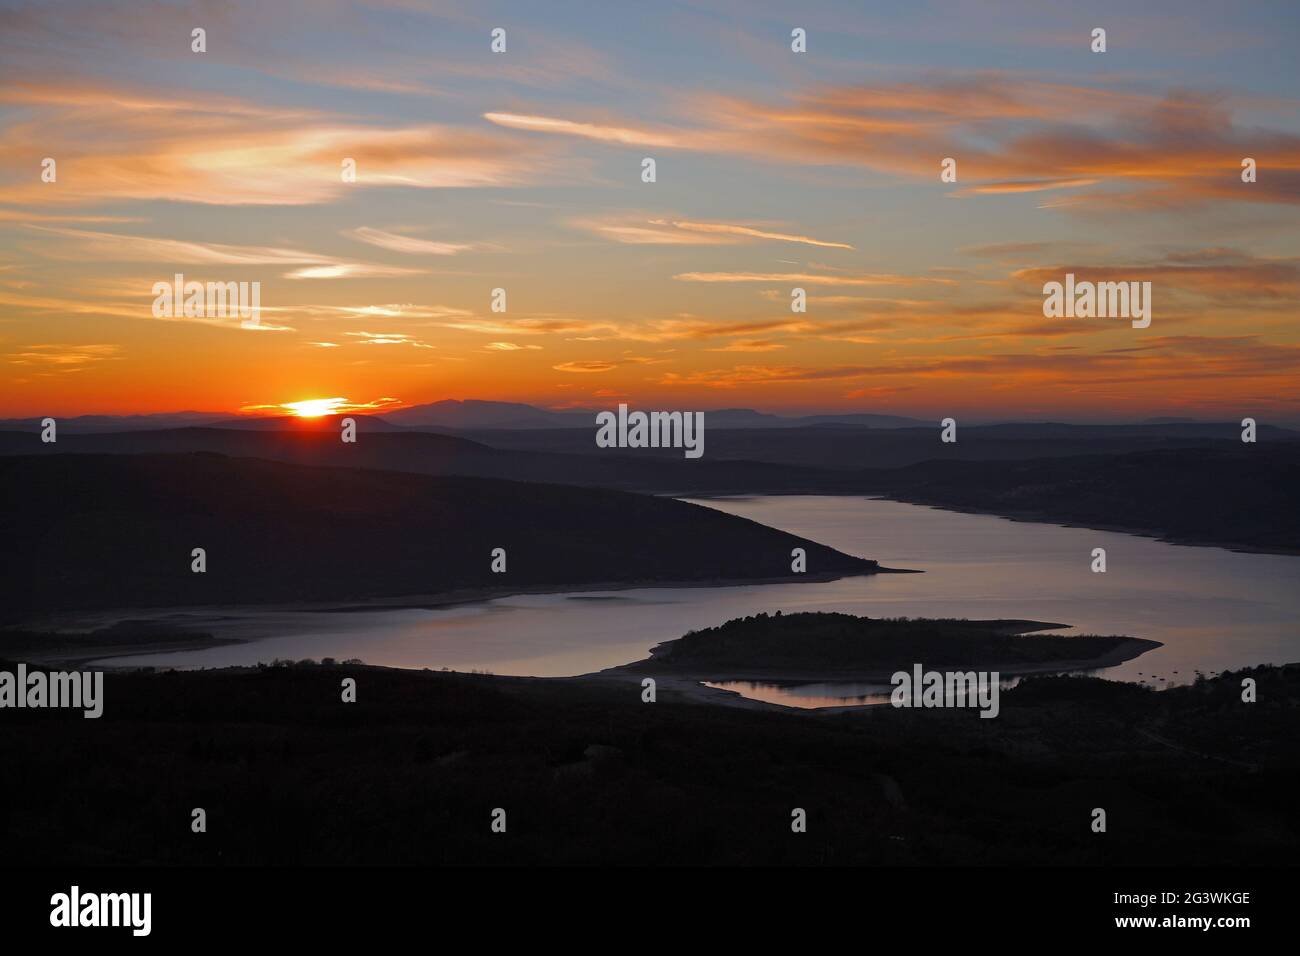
(587, 773)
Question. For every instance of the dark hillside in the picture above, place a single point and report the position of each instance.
(118, 530)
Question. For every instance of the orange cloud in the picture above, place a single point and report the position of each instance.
(1185, 359)
(107, 246)
(807, 278)
(585, 367)
(120, 247)
(388, 338)
(1028, 186)
(64, 358)
(1222, 275)
(1008, 133)
(750, 345)
(682, 232)
(112, 145)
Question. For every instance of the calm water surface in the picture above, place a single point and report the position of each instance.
(1212, 608)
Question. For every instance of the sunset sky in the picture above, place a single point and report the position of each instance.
(775, 169)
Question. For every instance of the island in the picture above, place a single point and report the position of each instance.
(814, 646)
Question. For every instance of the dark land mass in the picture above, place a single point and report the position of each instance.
(472, 414)
(77, 648)
(318, 443)
(410, 773)
(829, 646)
(847, 447)
(1246, 497)
(831, 458)
(452, 414)
(475, 414)
(115, 423)
(480, 414)
(291, 423)
(1220, 492)
(117, 531)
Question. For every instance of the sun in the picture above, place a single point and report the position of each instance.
(315, 407)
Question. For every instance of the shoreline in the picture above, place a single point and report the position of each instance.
(119, 657)
(1129, 649)
(73, 622)
(691, 686)
(1026, 517)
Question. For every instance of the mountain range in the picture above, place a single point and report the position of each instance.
(451, 414)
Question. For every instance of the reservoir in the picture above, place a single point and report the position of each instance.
(1213, 609)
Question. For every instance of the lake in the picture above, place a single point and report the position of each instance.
(1213, 609)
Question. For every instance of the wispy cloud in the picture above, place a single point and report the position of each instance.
(121, 145)
(747, 232)
(1024, 186)
(603, 132)
(121, 247)
(750, 345)
(585, 367)
(1186, 359)
(1221, 275)
(118, 247)
(685, 232)
(809, 278)
(64, 358)
(533, 326)
(389, 338)
(406, 311)
(411, 245)
(1004, 130)
(351, 270)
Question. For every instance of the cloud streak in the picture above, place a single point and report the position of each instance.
(409, 245)
(685, 232)
(122, 145)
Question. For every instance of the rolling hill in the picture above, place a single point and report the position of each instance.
(117, 531)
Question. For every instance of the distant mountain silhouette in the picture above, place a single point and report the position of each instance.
(472, 413)
(840, 446)
(451, 414)
(116, 531)
(871, 421)
(318, 443)
(294, 423)
(80, 424)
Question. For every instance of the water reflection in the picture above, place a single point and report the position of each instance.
(822, 693)
(1213, 609)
